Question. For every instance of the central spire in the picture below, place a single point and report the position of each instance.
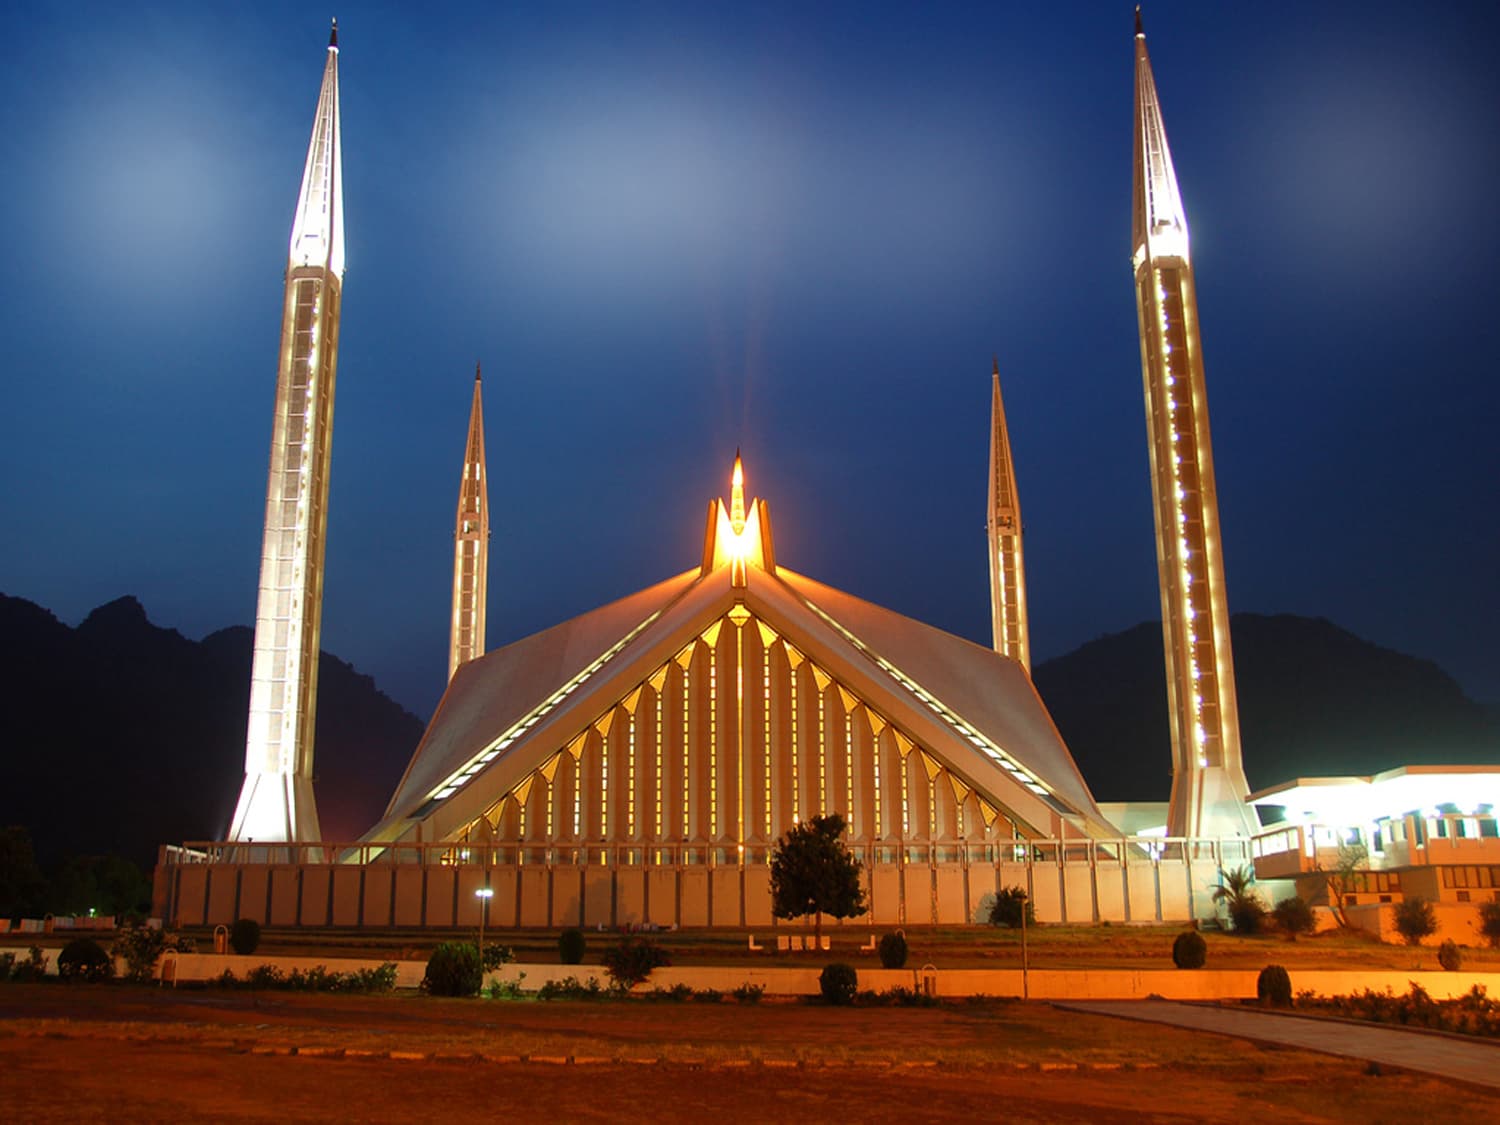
(738, 534)
(471, 546)
(1007, 569)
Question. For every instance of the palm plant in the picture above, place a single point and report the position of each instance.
(1235, 891)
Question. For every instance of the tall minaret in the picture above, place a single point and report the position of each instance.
(277, 800)
(471, 546)
(1007, 570)
(1208, 777)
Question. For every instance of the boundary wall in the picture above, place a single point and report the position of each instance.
(1145, 880)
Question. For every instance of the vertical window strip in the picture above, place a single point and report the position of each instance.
(660, 787)
(766, 745)
(875, 761)
(630, 782)
(796, 803)
(604, 786)
(713, 742)
(687, 751)
(823, 751)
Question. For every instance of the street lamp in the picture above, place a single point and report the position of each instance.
(483, 894)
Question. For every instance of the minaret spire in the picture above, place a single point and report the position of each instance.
(471, 545)
(1208, 776)
(1007, 569)
(276, 803)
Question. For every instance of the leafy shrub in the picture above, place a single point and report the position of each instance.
(1247, 915)
(677, 994)
(749, 993)
(1450, 957)
(571, 988)
(7, 963)
(505, 989)
(266, 976)
(893, 951)
(897, 997)
(84, 959)
(141, 946)
(838, 982)
(1274, 986)
(632, 961)
(496, 955)
(1189, 951)
(32, 969)
(1415, 919)
(453, 970)
(1293, 916)
(1489, 923)
(244, 936)
(1008, 908)
(708, 996)
(570, 947)
(1473, 1013)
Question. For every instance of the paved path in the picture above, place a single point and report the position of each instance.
(1469, 1060)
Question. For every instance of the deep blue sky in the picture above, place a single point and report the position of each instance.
(668, 230)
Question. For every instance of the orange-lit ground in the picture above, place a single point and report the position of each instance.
(70, 1052)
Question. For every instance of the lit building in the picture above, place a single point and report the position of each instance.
(276, 802)
(1208, 777)
(1007, 568)
(471, 546)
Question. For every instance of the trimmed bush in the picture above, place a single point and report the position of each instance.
(1489, 923)
(1293, 916)
(1189, 951)
(749, 993)
(838, 983)
(141, 946)
(632, 961)
(84, 959)
(1450, 957)
(1008, 908)
(893, 951)
(570, 947)
(453, 970)
(244, 936)
(1415, 919)
(1274, 987)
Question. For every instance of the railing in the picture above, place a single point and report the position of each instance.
(1118, 852)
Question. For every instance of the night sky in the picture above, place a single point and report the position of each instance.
(671, 230)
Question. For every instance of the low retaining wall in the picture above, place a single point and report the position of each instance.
(1043, 984)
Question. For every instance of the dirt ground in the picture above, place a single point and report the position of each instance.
(139, 1054)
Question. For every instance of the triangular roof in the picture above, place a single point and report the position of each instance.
(503, 715)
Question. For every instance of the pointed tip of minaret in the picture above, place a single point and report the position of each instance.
(1138, 30)
(476, 371)
(333, 35)
(995, 370)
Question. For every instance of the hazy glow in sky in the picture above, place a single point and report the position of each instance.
(671, 230)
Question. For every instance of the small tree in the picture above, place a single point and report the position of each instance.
(570, 946)
(813, 872)
(1273, 986)
(838, 983)
(1415, 919)
(453, 970)
(1489, 923)
(84, 959)
(1450, 957)
(1340, 879)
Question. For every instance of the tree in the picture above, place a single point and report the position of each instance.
(1339, 880)
(1244, 905)
(1294, 916)
(813, 872)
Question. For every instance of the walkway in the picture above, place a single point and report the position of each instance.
(1468, 1060)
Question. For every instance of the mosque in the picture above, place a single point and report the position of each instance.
(637, 763)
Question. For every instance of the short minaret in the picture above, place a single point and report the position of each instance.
(471, 546)
(276, 803)
(1208, 777)
(1007, 569)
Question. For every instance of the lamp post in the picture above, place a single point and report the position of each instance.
(483, 894)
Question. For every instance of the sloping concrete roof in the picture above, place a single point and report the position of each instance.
(504, 713)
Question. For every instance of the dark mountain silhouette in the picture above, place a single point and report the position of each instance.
(1314, 701)
(119, 735)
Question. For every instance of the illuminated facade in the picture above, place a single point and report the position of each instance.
(1007, 568)
(276, 802)
(678, 732)
(471, 546)
(1208, 779)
